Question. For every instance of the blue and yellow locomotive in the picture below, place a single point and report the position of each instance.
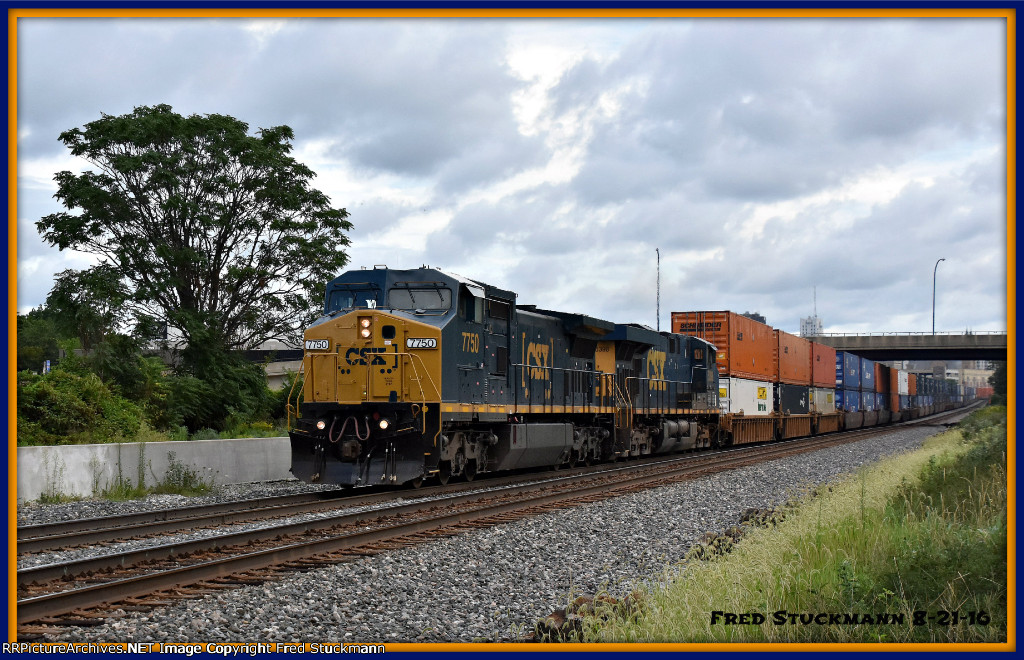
(415, 374)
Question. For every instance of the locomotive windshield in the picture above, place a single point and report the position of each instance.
(420, 296)
(350, 296)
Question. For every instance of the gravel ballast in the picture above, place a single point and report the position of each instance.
(486, 585)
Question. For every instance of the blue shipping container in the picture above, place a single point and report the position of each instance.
(881, 401)
(847, 371)
(867, 375)
(904, 401)
(867, 401)
(848, 400)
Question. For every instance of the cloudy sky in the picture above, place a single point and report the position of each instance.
(763, 158)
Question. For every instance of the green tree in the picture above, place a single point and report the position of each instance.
(204, 227)
(998, 382)
(37, 339)
(87, 304)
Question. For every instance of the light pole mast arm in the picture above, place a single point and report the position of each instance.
(934, 272)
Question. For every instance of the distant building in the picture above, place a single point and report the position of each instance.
(811, 326)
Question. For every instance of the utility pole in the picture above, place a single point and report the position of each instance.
(657, 323)
(934, 272)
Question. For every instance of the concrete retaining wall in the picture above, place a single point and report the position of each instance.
(84, 470)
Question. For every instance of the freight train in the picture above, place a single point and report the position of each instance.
(422, 374)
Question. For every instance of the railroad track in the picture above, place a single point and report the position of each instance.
(85, 591)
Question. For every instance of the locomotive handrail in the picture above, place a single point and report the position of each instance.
(423, 393)
(596, 377)
(288, 401)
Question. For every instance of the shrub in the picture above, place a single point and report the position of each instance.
(63, 407)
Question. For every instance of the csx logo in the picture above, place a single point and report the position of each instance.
(537, 358)
(360, 355)
(656, 369)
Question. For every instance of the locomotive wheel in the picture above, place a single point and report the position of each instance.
(470, 470)
(417, 482)
(444, 472)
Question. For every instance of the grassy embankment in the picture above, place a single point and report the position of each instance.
(922, 532)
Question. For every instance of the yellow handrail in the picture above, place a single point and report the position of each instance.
(288, 402)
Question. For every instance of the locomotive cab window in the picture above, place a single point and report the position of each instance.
(348, 297)
(427, 299)
(471, 308)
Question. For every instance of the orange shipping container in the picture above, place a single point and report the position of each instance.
(882, 378)
(746, 348)
(894, 382)
(913, 384)
(823, 365)
(794, 363)
(894, 402)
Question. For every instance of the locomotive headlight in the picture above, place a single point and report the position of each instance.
(364, 322)
(365, 333)
(321, 424)
(364, 327)
(384, 424)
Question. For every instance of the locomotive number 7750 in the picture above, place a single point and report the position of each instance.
(470, 342)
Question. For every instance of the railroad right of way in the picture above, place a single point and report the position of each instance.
(497, 576)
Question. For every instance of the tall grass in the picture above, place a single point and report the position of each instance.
(925, 532)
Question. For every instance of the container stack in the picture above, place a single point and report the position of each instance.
(793, 374)
(848, 382)
(882, 383)
(793, 389)
(867, 385)
(823, 379)
(747, 355)
(903, 389)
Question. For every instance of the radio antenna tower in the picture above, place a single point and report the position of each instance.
(658, 289)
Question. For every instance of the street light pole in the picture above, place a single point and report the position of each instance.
(657, 322)
(934, 272)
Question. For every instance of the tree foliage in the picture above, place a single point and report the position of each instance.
(998, 382)
(37, 339)
(202, 226)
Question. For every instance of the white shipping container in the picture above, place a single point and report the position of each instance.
(751, 397)
(823, 400)
(903, 382)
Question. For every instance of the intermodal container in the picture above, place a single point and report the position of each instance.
(746, 348)
(867, 401)
(823, 362)
(985, 392)
(903, 386)
(794, 359)
(792, 399)
(867, 375)
(912, 384)
(848, 400)
(883, 381)
(905, 402)
(823, 400)
(749, 397)
(847, 371)
(894, 402)
(880, 401)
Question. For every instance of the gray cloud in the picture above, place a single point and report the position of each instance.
(686, 129)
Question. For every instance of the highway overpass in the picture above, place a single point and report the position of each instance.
(880, 346)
